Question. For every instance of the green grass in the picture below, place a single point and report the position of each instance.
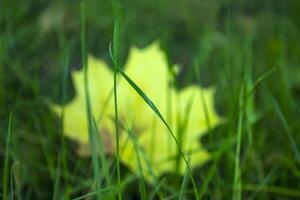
(6, 160)
(115, 57)
(249, 51)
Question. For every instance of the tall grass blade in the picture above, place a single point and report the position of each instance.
(116, 44)
(213, 168)
(137, 149)
(6, 160)
(183, 187)
(57, 180)
(91, 128)
(101, 151)
(288, 130)
(156, 190)
(237, 171)
(264, 183)
(259, 81)
(65, 65)
(15, 178)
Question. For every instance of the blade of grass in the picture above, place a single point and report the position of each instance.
(258, 81)
(11, 182)
(57, 180)
(15, 178)
(6, 159)
(94, 193)
(45, 145)
(273, 189)
(103, 160)
(287, 128)
(264, 183)
(65, 63)
(213, 168)
(206, 114)
(182, 125)
(183, 185)
(198, 62)
(142, 183)
(116, 44)
(91, 128)
(156, 189)
(237, 171)
(141, 156)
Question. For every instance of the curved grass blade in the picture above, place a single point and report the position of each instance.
(287, 128)
(94, 193)
(159, 115)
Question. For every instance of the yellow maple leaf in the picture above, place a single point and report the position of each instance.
(145, 142)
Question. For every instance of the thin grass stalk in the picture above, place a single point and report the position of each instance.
(116, 44)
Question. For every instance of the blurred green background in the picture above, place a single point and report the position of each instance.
(231, 41)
